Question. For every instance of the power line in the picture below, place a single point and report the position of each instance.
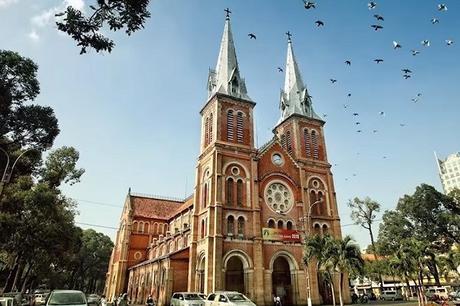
(97, 203)
(97, 225)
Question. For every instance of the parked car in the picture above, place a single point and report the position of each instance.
(390, 295)
(186, 298)
(454, 294)
(440, 292)
(40, 298)
(456, 299)
(7, 301)
(203, 296)
(228, 298)
(67, 297)
(93, 299)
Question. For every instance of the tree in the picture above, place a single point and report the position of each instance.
(345, 257)
(60, 167)
(363, 213)
(129, 15)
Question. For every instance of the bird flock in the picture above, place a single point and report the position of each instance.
(377, 26)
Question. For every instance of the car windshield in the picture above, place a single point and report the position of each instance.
(67, 298)
(235, 297)
(191, 297)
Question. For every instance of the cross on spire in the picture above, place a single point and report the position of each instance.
(288, 34)
(227, 13)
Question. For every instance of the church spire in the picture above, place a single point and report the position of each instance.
(226, 77)
(294, 97)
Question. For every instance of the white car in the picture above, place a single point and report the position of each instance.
(441, 292)
(66, 298)
(187, 298)
(390, 295)
(228, 298)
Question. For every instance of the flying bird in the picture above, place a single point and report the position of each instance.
(396, 45)
(374, 131)
(442, 7)
(345, 106)
(415, 99)
(425, 43)
(333, 81)
(324, 115)
(358, 123)
(348, 62)
(319, 23)
(382, 113)
(449, 42)
(355, 114)
(406, 71)
(376, 27)
(402, 124)
(280, 69)
(406, 76)
(434, 20)
(371, 5)
(378, 17)
(349, 95)
(415, 52)
(309, 5)
(252, 36)
(378, 60)
(358, 131)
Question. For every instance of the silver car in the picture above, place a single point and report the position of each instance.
(228, 298)
(66, 298)
(186, 299)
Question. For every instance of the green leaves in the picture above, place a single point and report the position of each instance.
(60, 167)
(129, 15)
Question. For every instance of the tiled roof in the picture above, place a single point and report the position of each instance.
(154, 207)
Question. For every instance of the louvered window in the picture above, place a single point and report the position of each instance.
(283, 141)
(230, 125)
(230, 225)
(239, 193)
(306, 138)
(289, 142)
(314, 141)
(210, 128)
(229, 192)
(240, 227)
(239, 127)
(206, 131)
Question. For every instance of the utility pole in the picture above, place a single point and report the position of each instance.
(306, 220)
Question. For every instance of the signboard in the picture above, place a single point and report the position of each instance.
(276, 234)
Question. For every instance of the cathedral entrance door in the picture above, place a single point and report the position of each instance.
(281, 281)
(234, 275)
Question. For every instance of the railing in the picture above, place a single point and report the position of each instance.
(166, 198)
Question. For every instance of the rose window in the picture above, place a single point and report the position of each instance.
(278, 197)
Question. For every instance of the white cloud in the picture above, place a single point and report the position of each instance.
(47, 17)
(33, 35)
(5, 3)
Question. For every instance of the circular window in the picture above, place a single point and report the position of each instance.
(137, 255)
(277, 159)
(235, 171)
(315, 183)
(278, 197)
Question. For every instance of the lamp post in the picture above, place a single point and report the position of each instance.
(306, 221)
(7, 176)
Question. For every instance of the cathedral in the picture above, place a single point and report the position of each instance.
(242, 228)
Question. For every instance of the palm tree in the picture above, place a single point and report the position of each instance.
(319, 248)
(345, 257)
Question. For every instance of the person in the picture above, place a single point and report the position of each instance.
(278, 301)
(103, 300)
(124, 300)
(354, 298)
(150, 301)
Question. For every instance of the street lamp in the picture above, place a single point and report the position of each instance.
(306, 220)
(7, 176)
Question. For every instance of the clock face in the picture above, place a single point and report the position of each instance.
(277, 159)
(279, 197)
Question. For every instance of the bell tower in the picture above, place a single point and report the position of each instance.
(223, 180)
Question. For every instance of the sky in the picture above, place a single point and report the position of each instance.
(134, 114)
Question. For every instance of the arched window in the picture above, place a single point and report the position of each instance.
(229, 192)
(271, 223)
(283, 141)
(239, 193)
(314, 141)
(147, 227)
(210, 128)
(135, 226)
(230, 125)
(205, 195)
(325, 229)
(306, 138)
(280, 224)
(239, 126)
(230, 225)
(241, 227)
(203, 229)
(140, 227)
(313, 200)
(289, 225)
(320, 205)
(206, 131)
(288, 142)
